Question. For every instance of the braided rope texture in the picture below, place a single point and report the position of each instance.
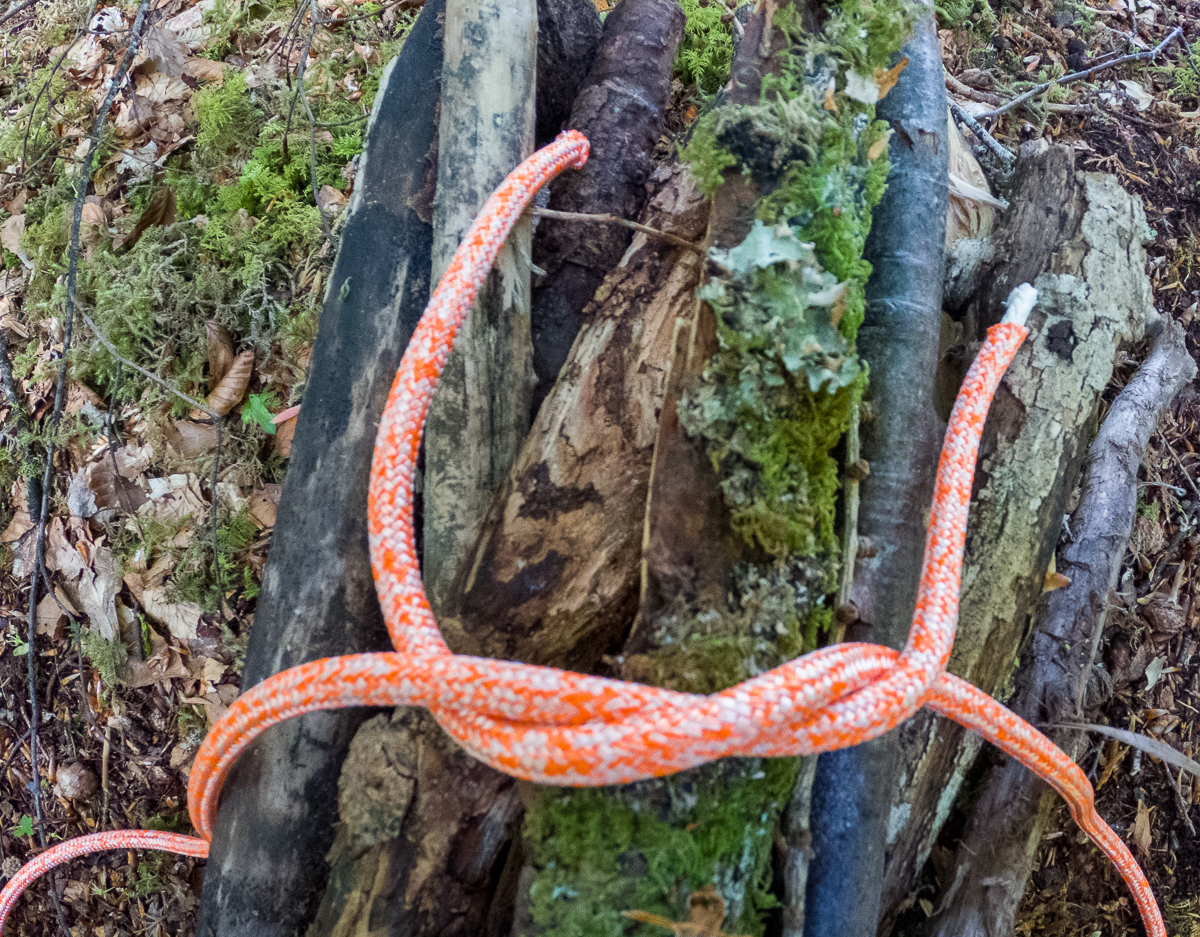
(556, 727)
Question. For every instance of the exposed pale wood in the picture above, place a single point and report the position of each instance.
(480, 412)
(993, 863)
(1078, 237)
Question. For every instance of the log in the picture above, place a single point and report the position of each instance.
(568, 35)
(1094, 297)
(556, 566)
(480, 412)
(621, 109)
(899, 340)
(994, 859)
(266, 869)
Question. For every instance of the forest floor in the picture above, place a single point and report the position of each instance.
(206, 238)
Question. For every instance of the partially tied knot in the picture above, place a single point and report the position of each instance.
(557, 727)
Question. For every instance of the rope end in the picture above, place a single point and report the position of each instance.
(1020, 304)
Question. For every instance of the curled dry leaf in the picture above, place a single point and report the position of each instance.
(160, 211)
(284, 436)
(220, 352)
(232, 387)
(191, 440)
(1055, 581)
(180, 618)
(205, 70)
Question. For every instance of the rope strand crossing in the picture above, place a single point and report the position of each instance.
(570, 729)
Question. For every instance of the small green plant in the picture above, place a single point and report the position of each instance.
(25, 827)
(707, 48)
(19, 645)
(257, 410)
(108, 657)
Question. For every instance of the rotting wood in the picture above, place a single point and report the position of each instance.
(1094, 296)
(568, 34)
(267, 869)
(418, 862)
(480, 412)
(994, 860)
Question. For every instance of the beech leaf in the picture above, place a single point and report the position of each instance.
(220, 352)
(232, 387)
(1150, 746)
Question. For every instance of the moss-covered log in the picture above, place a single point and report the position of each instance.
(1088, 265)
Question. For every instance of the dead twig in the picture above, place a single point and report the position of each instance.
(966, 91)
(1002, 153)
(617, 219)
(15, 10)
(1174, 34)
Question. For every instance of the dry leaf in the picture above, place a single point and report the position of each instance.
(1140, 829)
(158, 88)
(191, 440)
(1155, 747)
(1114, 753)
(232, 387)
(180, 618)
(1164, 614)
(879, 146)
(887, 78)
(1154, 670)
(220, 352)
(284, 436)
(10, 233)
(205, 70)
(160, 211)
(21, 521)
(134, 116)
(967, 216)
(189, 28)
(160, 46)
(164, 663)
(830, 103)
(1055, 581)
(51, 618)
(264, 505)
(175, 498)
(95, 591)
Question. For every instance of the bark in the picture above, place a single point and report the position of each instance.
(1094, 296)
(568, 34)
(621, 109)
(480, 412)
(994, 859)
(424, 855)
(266, 869)
(899, 340)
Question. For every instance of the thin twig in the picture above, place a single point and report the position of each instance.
(997, 149)
(312, 135)
(17, 9)
(8, 386)
(1174, 34)
(56, 419)
(616, 219)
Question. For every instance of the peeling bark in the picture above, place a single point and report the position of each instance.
(995, 858)
(480, 412)
(1094, 296)
(621, 109)
(266, 869)
(431, 860)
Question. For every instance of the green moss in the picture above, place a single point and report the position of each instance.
(648, 846)
(108, 657)
(229, 120)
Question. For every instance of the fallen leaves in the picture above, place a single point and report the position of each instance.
(232, 386)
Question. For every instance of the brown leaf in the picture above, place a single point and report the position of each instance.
(20, 523)
(160, 211)
(159, 88)
(284, 434)
(263, 506)
(1140, 830)
(886, 79)
(205, 70)
(51, 619)
(160, 46)
(232, 387)
(879, 146)
(10, 233)
(180, 618)
(191, 440)
(830, 103)
(134, 116)
(220, 352)
(330, 199)
(1055, 581)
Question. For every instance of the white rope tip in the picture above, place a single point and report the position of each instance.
(1020, 304)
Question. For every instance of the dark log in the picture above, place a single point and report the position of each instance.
(568, 34)
(621, 109)
(1094, 296)
(267, 867)
(899, 340)
(994, 859)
